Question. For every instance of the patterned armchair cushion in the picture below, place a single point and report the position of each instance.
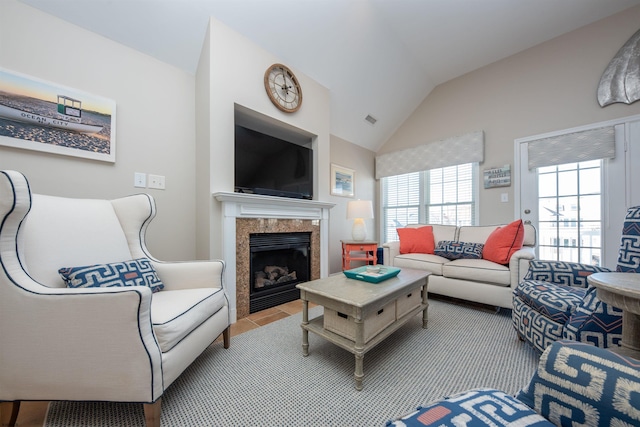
(135, 272)
(579, 384)
(561, 272)
(629, 254)
(474, 408)
(595, 322)
(459, 250)
(556, 302)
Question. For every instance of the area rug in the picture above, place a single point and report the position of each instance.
(263, 379)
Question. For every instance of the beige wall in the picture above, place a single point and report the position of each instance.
(155, 121)
(549, 87)
(361, 160)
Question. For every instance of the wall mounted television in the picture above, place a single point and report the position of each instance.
(268, 165)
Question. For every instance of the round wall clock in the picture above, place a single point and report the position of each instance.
(283, 88)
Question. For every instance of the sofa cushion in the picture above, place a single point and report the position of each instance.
(135, 272)
(479, 407)
(477, 270)
(503, 242)
(580, 384)
(416, 240)
(458, 250)
(475, 233)
(427, 262)
(557, 302)
(175, 314)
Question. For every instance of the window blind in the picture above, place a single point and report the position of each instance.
(592, 144)
(457, 150)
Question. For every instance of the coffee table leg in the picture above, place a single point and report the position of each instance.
(359, 353)
(425, 302)
(305, 331)
(359, 373)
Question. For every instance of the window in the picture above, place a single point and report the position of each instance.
(437, 196)
(569, 200)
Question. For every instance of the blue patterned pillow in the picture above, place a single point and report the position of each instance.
(580, 384)
(135, 272)
(629, 254)
(474, 408)
(457, 250)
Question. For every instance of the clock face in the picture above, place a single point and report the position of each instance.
(283, 88)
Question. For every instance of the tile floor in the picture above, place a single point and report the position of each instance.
(32, 414)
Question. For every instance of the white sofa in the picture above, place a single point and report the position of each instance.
(122, 344)
(476, 280)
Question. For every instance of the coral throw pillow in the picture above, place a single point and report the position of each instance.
(503, 242)
(416, 240)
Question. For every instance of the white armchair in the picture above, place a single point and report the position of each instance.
(123, 344)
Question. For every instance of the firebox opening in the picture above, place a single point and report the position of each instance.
(278, 262)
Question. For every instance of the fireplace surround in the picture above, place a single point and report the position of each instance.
(243, 214)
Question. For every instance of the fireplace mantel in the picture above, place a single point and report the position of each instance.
(239, 205)
(242, 205)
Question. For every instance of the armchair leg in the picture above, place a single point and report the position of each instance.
(9, 413)
(152, 413)
(226, 337)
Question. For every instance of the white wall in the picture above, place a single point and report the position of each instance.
(234, 67)
(362, 161)
(155, 121)
(549, 87)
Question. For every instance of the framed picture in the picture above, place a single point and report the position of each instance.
(497, 177)
(44, 116)
(342, 181)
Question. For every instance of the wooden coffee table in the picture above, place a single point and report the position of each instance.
(358, 315)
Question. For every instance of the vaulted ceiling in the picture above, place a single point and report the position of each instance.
(377, 57)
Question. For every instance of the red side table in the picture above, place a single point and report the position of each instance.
(358, 251)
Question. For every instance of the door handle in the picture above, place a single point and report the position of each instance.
(527, 211)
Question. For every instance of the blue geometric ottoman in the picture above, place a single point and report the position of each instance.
(474, 408)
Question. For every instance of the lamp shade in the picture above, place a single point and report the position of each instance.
(360, 209)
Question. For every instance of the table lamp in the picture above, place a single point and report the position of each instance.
(358, 211)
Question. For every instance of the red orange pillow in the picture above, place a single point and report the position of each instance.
(503, 242)
(416, 240)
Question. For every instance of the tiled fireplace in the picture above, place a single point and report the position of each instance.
(247, 214)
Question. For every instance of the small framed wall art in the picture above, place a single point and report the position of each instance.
(44, 116)
(497, 177)
(342, 181)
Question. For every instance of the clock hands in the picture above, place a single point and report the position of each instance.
(285, 88)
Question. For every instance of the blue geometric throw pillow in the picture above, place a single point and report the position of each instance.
(474, 408)
(457, 250)
(135, 272)
(581, 384)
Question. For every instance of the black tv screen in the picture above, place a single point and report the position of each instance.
(268, 165)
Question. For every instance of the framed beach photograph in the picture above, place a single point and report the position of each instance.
(342, 181)
(44, 116)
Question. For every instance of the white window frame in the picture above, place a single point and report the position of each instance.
(423, 197)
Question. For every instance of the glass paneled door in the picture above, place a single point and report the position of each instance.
(578, 208)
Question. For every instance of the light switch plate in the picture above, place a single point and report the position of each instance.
(504, 197)
(140, 179)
